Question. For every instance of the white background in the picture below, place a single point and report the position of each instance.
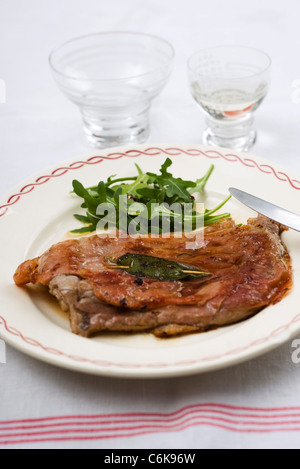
(39, 127)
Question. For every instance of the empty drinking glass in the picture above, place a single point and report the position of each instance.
(229, 83)
(113, 78)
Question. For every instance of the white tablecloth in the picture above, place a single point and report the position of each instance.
(255, 404)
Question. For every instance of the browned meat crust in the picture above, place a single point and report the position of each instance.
(250, 269)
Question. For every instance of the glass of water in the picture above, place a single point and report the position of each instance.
(113, 78)
(229, 83)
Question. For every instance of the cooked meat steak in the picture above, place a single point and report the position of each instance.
(249, 267)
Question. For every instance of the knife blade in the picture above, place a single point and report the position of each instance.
(281, 215)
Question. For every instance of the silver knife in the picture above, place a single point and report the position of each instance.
(281, 215)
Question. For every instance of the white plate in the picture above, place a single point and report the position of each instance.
(39, 213)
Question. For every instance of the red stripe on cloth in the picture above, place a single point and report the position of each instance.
(209, 407)
(141, 433)
(147, 419)
(130, 427)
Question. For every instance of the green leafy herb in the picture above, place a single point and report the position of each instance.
(168, 201)
(141, 265)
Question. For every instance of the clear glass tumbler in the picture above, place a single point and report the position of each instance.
(113, 78)
(229, 83)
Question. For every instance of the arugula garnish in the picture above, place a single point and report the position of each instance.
(141, 192)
